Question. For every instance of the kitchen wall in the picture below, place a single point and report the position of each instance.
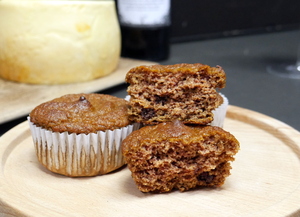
(201, 19)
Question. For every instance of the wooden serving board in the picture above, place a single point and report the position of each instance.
(18, 99)
(265, 180)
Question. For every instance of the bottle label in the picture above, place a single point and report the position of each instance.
(143, 13)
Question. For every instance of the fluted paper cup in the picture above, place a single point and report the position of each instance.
(78, 155)
(220, 113)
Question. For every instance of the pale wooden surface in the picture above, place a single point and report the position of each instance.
(17, 99)
(265, 180)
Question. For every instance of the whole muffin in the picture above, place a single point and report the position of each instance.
(172, 155)
(80, 134)
(185, 92)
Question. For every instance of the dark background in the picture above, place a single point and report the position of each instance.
(203, 19)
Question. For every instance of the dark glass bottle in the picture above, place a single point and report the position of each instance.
(145, 28)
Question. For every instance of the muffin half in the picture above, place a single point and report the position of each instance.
(172, 155)
(185, 92)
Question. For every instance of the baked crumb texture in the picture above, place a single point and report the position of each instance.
(175, 156)
(185, 92)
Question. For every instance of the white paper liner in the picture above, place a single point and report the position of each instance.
(80, 154)
(220, 113)
(127, 97)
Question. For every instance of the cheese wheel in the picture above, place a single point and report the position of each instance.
(56, 42)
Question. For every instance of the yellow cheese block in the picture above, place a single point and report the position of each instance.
(55, 42)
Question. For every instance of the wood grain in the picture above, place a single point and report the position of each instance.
(265, 180)
(18, 99)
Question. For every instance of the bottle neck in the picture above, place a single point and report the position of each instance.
(139, 13)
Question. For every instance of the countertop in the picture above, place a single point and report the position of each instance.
(245, 60)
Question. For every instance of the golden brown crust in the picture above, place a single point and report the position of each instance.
(172, 155)
(185, 92)
(81, 113)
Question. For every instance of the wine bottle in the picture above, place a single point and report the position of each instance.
(145, 28)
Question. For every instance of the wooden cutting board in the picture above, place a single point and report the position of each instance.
(18, 99)
(265, 180)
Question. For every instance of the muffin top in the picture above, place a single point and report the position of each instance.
(81, 113)
(177, 132)
(215, 75)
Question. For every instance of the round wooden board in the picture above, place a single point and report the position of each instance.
(265, 180)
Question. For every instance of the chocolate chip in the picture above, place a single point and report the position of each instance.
(160, 100)
(83, 102)
(82, 98)
(148, 113)
(205, 177)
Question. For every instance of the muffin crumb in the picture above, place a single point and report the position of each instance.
(185, 92)
(172, 155)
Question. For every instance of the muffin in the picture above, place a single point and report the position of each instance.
(80, 134)
(172, 155)
(185, 92)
